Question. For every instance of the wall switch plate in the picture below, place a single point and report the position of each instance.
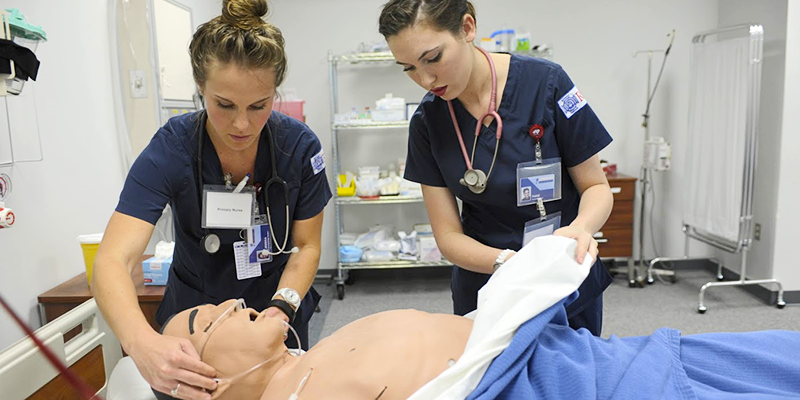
(138, 81)
(757, 233)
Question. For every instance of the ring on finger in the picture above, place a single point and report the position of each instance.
(174, 392)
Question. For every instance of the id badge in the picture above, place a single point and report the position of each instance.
(538, 181)
(244, 268)
(259, 241)
(539, 227)
(223, 209)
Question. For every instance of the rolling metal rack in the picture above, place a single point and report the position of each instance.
(376, 59)
(343, 268)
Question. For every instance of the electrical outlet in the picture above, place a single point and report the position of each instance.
(138, 81)
(757, 233)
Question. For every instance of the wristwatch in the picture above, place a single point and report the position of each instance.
(285, 307)
(290, 295)
(501, 259)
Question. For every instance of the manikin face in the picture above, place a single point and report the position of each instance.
(238, 101)
(438, 61)
(241, 339)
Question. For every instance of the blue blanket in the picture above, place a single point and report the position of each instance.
(549, 360)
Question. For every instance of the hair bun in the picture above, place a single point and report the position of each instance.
(244, 14)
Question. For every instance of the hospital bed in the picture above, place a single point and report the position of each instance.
(520, 309)
(536, 280)
(94, 354)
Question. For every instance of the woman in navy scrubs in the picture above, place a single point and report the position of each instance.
(238, 63)
(433, 41)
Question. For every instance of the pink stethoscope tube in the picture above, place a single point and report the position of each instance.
(492, 112)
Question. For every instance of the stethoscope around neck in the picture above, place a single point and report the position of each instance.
(210, 241)
(475, 179)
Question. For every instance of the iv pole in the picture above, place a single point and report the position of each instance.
(645, 173)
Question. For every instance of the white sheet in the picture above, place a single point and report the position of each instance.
(126, 383)
(541, 274)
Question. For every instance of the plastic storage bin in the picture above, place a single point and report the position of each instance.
(292, 108)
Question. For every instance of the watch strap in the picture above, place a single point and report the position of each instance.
(284, 306)
(501, 259)
(286, 294)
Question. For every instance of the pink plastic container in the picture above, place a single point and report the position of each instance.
(292, 108)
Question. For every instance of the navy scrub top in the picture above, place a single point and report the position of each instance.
(531, 96)
(166, 173)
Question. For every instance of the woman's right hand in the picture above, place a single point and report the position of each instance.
(166, 361)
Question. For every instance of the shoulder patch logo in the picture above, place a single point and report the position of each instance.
(572, 102)
(318, 162)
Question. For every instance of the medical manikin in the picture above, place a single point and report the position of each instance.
(521, 323)
(384, 356)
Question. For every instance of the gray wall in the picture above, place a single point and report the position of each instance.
(75, 189)
(594, 41)
(772, 15)
(785, 264)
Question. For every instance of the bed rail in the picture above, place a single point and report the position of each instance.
(26, 374)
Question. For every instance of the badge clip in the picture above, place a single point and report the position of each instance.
(542, 211)
(536, 132)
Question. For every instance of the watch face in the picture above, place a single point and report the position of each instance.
(291, 296)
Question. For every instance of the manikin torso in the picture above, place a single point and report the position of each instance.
(385, 356)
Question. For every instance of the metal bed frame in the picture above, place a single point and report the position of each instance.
(742, 245)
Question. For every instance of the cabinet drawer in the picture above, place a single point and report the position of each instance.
(621, 216)
(623, 189)
(620, 243)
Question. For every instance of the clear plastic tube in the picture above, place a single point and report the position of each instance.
(240, 304)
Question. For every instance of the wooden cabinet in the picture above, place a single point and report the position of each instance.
(618, 230)
(72, 293)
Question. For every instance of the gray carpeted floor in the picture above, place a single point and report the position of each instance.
(627, 312)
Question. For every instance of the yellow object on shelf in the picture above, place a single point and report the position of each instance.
(345, 185)
(89, 246)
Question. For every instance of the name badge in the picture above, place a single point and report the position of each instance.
(538, 180)
(226, 210)
(259, 241)
(244, 268)
(541, 227)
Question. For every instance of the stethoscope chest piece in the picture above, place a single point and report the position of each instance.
(475, 180)
(211, 243)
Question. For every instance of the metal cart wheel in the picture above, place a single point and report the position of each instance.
(650, 280)
(340, 290)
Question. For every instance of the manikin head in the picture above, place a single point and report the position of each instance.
(432, 41)
(233, 339)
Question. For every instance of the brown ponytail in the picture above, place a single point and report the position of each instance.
(240, 36)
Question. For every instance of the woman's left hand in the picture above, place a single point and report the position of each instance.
(586, 242)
